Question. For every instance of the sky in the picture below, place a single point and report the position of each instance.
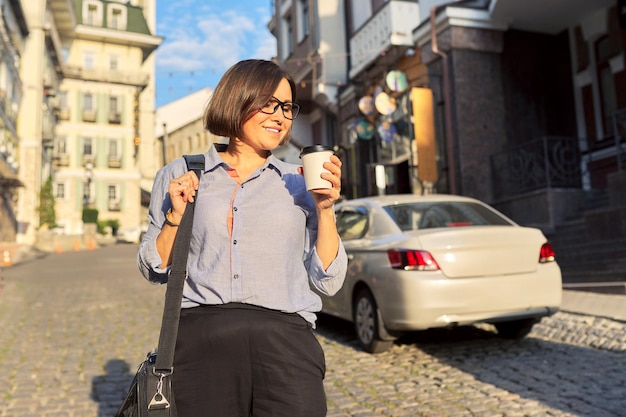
(202, 38)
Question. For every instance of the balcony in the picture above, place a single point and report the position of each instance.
(114, 205)
(115, 118)
(138, 79)
(89, 115)
(62, 159)
(88, 160)
(115, 162)
(63, 113)
(392, 26)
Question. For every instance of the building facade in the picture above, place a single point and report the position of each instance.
(513, 90)
(519, 104)
(104, 141)
(311, 46)
(13, 33)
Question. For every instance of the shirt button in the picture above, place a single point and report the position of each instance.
(234, 242)
(234, 208)
(236, 276)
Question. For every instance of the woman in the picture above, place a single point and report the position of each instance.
(245, 344)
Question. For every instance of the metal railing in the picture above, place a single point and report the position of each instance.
(547, 162)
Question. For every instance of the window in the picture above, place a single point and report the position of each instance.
(87, 147)
(303, 19)
(62, 109)
(352, 222)
(62, 99)
(606, 82)
(114, 112)
(92, 13)
(361, 12)
(89, 61)
(113, 148)
(116, 17)
(89, 112)
(443, 214)
(88, 101)
(60, 157)
(61, 145)
(113, 198)
(59, 192)
(115, 159)
(287, 37)
(114, 61)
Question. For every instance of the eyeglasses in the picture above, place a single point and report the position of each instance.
(290, 110)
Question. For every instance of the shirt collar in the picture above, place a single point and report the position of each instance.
(213, 160)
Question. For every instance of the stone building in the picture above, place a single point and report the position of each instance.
(521, 104)
(104, 140)
(13, 33)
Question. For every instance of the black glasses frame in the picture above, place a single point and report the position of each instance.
(295, 108)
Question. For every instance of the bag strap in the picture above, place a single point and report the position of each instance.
(176, 278)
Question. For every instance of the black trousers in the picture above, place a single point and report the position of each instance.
(237, 360)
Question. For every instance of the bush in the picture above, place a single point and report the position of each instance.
(114, 224)
(90, 215)
(47, 214)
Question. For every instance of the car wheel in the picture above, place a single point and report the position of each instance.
(515, 329)
(367, 325)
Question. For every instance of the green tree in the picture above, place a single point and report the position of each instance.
(47, 215)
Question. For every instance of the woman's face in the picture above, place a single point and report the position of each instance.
(265, 131)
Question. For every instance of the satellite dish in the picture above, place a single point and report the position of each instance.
(364, 129)
(396, 81)
(366, 105)
(385, 104)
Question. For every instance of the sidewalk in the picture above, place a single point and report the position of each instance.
(595, 304)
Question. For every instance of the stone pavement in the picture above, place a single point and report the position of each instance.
(612, 306)
(73, 330)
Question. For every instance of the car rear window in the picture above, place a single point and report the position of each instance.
(417, 216)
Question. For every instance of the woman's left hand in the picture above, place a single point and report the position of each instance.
(325, 198)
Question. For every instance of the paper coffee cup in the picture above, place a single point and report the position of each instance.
(313, 158)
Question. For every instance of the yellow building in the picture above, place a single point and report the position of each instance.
(104, 141)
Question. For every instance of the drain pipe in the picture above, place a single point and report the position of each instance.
(447, 94)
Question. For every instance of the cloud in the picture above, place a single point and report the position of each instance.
(202, 38)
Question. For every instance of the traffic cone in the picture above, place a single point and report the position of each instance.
(6, 258)
(58, 248)
(91, 244)
(76, 245)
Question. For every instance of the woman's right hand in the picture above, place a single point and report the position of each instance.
(182, 190)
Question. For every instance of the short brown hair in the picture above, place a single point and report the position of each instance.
(244, 89)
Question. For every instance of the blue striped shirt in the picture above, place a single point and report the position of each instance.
(269, 261)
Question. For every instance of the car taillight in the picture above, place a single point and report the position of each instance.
(412, 260)
(546, 254)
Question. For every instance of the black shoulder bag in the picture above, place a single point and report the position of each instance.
(150, 393)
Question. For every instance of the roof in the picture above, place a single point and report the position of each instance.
(181, 112)
(135, 21)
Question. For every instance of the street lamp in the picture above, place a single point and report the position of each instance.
(88, 178)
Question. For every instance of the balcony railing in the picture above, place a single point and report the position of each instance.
(62, 159)
(116, 77)
(114, 205)
(89, 115)
(391, 26)
(115, 162)
(115, 118)
(547, 162)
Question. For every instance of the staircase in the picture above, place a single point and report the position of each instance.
(584, 258)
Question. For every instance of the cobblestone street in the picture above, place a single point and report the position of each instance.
(75, 325)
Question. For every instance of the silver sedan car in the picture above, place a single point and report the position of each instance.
(419, 262)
